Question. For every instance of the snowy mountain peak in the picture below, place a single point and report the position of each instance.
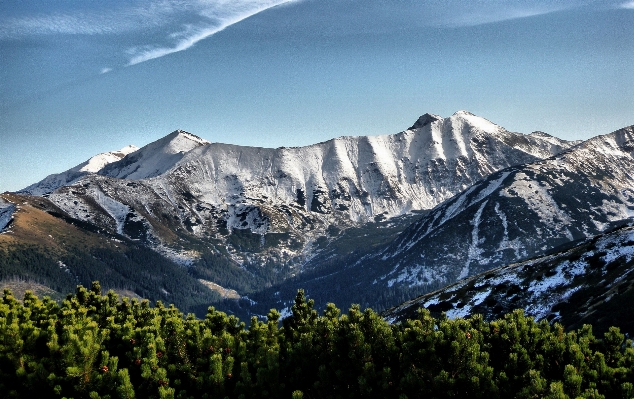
(128, 149)
(474, 121)
(425, 120)
(187, 136)
(155, 158)
(208, 188)
(520, 212)
(463, 112)
(541, 134)
(93, 165)
(96, 163)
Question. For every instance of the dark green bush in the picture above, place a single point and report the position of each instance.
(103, 346)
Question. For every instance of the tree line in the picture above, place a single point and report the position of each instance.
(103, 346)
(134, 268)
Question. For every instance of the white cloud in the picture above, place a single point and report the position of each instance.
(183, 44)
(56, 23)
(177, 25)
(472, 18)
(105, 70)
(629, 5)
(219, 14)
(92, 21)
(198, 19)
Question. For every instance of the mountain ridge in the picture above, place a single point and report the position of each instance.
(513, 214)
(206, 187)
(252, 219)
(544, 193)
(92, 165)
(155, 158)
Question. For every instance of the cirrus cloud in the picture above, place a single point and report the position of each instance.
(183, 23)
(216, 16)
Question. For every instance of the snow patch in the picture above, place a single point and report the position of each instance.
(477, 122)
(465, 311)
(6, 213)
(474, 251)
(285, 312)
(115, 209)
(98, 162)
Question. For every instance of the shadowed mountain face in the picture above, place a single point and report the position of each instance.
(592, 282)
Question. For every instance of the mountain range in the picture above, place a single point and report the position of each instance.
(519, 212)
(370, 219)
(291, 196)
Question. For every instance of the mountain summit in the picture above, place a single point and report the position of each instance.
(425, 120)
(155, 158)
(93, 165)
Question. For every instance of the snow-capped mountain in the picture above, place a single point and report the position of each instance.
(155, 158)
(593, 282)
(517, 213)
(369, 219)
(93, 165)
(291, 196)
(514, 214)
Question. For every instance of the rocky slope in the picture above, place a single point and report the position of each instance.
(592, 282)
(43, 247)
(6, 213)
(517, 213)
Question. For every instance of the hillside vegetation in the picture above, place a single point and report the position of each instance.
(57, 253)
(103, 346)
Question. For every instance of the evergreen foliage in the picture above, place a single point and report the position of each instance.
(137, 269)
(103, 346)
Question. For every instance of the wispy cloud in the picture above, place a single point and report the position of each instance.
(475, 14)
(156, 28)
(217, 15)
(629, 5)
(79, 23)
(189, 22)
(90, 21)
(105, 70)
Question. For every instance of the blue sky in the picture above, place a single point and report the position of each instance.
(82, 77)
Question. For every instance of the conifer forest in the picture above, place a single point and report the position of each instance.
(102, 346)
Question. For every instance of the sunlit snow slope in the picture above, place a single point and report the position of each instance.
(93, 165)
